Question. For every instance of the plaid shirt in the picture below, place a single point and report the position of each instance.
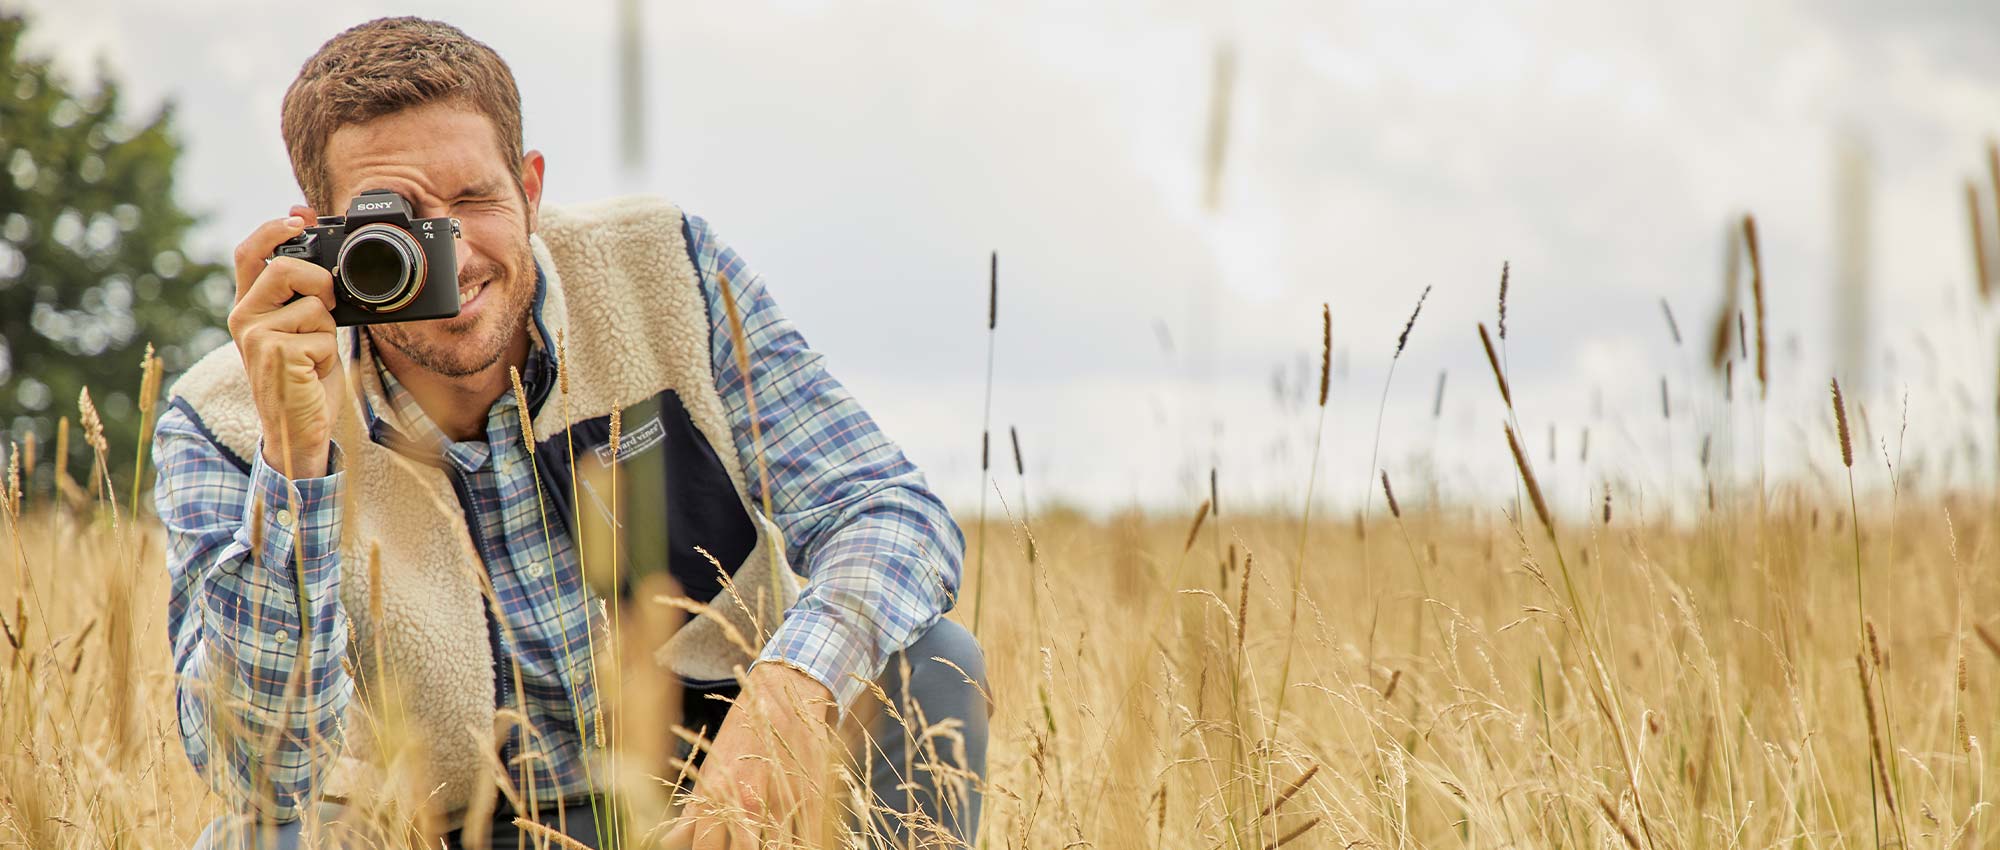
(880, 554)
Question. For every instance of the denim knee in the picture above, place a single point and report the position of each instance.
(952, 642)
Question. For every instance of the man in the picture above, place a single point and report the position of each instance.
(358, 509)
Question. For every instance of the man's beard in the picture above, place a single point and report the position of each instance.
(463, 352)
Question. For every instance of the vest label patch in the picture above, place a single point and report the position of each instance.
(633, 442)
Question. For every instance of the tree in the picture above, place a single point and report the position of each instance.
(91, 263)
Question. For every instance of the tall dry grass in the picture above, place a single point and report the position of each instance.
(1522, 677)
(1658, 721)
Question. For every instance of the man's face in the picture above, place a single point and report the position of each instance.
(445, 159)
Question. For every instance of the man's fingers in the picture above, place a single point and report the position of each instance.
(681, 836)
(284, 279)
(255, 248)
(304, 316)
(711, 834)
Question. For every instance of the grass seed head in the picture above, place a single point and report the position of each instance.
(1404, 339)
(10, 497)
(93, 425)
(1493, 360)
(1757, 301)
(1528, 479)
(1243, 602)
(1840, 422)
(521, 407)
(1200, 516)
(1325, 350)
(1982, 271)
(562, 360)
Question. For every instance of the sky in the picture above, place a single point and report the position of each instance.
(867, 157)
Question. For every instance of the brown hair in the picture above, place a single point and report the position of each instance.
(384, 66)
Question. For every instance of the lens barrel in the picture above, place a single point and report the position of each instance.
(381, 267)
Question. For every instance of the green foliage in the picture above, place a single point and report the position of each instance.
(91, 266)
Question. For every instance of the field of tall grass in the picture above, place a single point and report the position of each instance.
(1786, 664)
(1703, 687)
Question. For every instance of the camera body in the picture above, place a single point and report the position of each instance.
(387, 266)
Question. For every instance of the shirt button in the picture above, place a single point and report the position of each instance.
(535, 571)
(285, 517)
(281, 636)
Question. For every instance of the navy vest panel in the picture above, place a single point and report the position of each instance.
(675, 495)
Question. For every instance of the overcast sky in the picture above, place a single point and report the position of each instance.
(866, 157)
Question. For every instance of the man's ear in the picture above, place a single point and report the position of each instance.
(532, 164)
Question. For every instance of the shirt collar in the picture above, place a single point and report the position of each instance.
(406, 419)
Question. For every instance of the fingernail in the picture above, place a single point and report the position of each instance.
(295, 221)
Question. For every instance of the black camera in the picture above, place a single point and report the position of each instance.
(387, 266)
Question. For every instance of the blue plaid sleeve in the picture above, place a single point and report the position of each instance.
(234, 615)
(880, 553)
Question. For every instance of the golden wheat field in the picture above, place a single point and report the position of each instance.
(1459, 676)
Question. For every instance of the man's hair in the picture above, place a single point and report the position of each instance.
(385, 66)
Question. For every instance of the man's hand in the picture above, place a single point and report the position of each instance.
(287, 346)
(766, 773)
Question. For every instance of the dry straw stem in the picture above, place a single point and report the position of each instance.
(1389, 493)
(549, 835)
(1880, 764)
(1673, 327)
(985, 434)
(1493, 360)
(1840, 422)
(1757, 301)
(1437, 398)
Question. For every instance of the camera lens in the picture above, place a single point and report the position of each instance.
(381, 267)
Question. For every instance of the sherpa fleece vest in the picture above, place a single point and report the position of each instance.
(619, 283)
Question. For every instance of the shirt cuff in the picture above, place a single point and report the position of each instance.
(834, 653)
(302, 515)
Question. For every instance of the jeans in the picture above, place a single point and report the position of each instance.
(933, 692)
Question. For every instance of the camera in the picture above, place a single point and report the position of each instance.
(387, 266)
